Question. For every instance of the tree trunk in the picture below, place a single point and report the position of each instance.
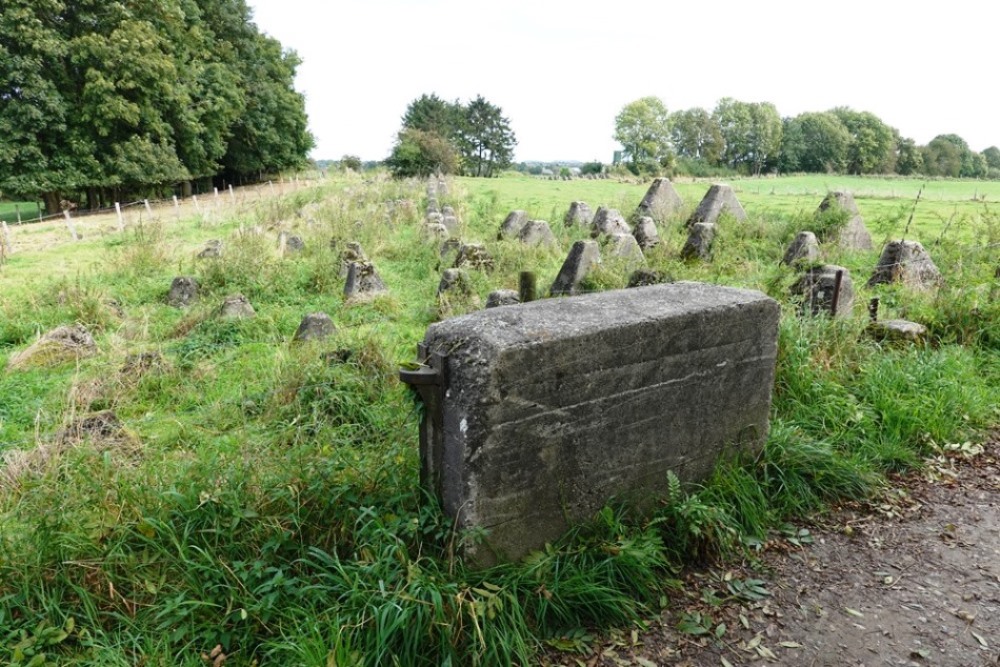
(51, 201)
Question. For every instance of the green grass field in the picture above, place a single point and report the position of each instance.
(263, 495)
(8, 211)
(886, 204)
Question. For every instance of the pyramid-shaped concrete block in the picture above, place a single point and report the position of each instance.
(906, 262)
(661, 201)
(852, 235)
(719, 199)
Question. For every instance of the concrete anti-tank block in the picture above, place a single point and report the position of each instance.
(538, 415)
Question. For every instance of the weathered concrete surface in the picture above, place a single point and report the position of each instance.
(502, 297)
(580, 214)
(818, 284)
(513, 224)
(183, 291)
(803, 248)
(315, 326)
(661, 201)
(581, 260)
(550, 409)
(906, 262)
(645, 233)
(719, 199)
(853, 235)
(608, 221)
(699, 242)
(897, 331)
(537, 232)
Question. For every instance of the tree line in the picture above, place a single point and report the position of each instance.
(107, 100)
(752, 138)
(437, 136)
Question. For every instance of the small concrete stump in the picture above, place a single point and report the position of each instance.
(607, 222)
(513, 224)
(474, 256)
(579, 215)
(537, 416)
(449, 250)
(661, 201)
(65, 343)
(363, 282)
(212, 250)
(720, 199)
(451, 224)
(906, 262)
(183, 292)
(624, 248)
(351, 253)
(853, 235)
(433, 231)
(646, 277)
(803, 248)
(645, 233)
(699, 242)
(581, 260)
(454, 280)
(236, 307)
(537, 232)
(315, 326)
(455, 293)
(897, 331)
(817, 286)
(502, 297)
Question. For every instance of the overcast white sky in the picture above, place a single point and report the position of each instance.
(562, 69)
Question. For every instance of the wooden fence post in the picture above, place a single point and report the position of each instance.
(7, 245)
(70, 226)
(528, 286)
(121, 218)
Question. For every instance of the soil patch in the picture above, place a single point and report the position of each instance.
(912, 580)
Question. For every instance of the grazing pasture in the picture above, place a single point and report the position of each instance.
(203, 485)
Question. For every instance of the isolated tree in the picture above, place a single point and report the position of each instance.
(943, 156)
(486, 141)
(642, 127)
(419, 153)
(695, 134)
(352, 162)
(429, 113)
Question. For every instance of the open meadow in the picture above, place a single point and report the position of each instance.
(245, 491)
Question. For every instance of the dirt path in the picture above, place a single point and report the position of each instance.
(914, 580)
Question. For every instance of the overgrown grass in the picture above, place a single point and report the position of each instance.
(263, 496)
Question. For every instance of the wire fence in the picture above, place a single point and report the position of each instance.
(281, 186)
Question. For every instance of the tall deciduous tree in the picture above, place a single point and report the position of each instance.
(474, 138)
(103, 98)
(420, 153)
(909, 159)
(751, 132)
(873, 143)
(486, 140)
(814, 142)
(696, 134)
(430, 113)
(642, 127)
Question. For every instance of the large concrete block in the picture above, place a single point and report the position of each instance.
(538, 415)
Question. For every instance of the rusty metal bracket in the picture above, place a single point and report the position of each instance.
(429, 380)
